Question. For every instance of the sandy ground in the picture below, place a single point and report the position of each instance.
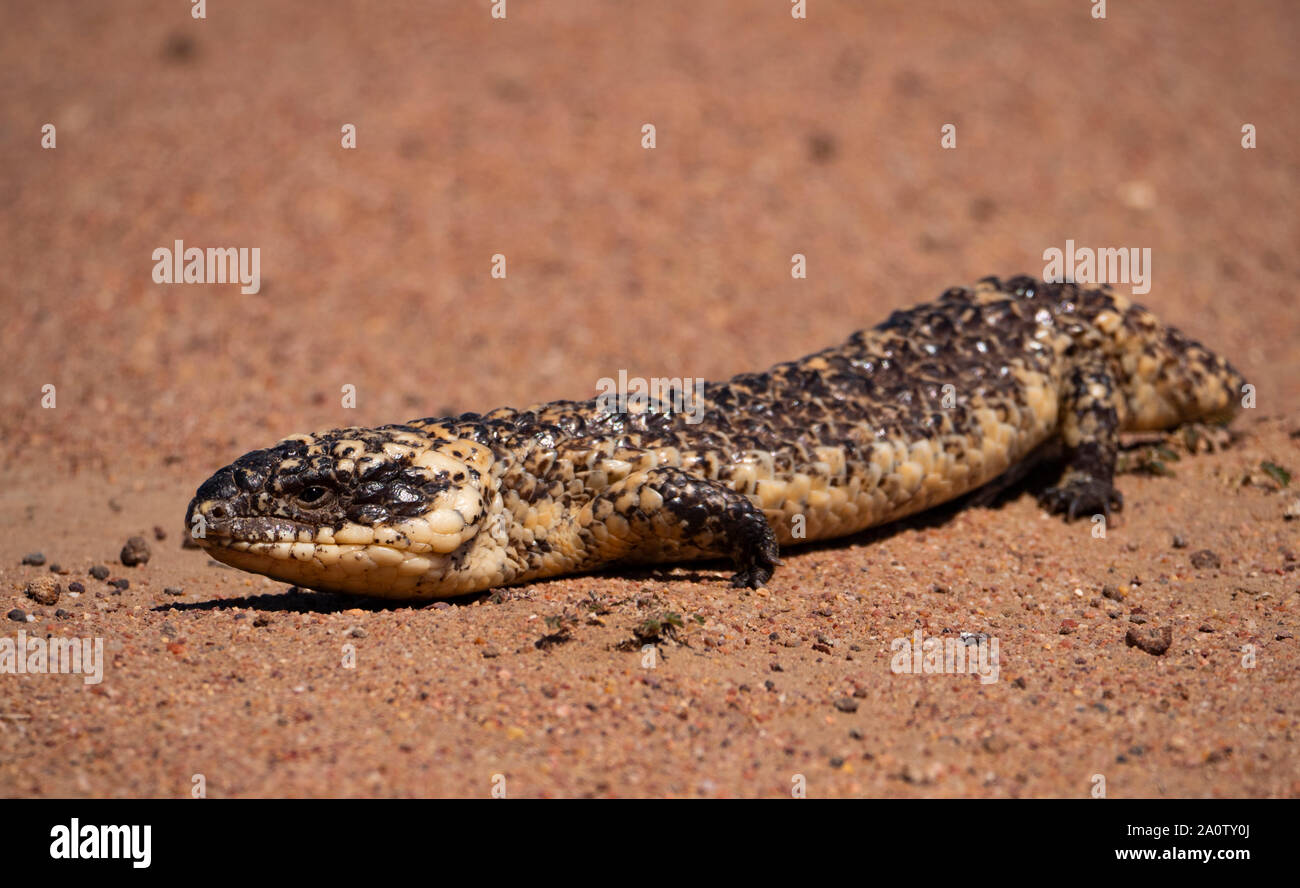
(523, 137)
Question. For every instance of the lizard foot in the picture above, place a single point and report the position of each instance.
(756, 554)
(1082, 496)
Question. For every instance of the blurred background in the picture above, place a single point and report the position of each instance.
(523, 136)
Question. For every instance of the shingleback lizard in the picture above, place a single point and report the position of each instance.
(857, 435)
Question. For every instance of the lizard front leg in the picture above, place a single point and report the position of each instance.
(667, 514)
(1091, 414)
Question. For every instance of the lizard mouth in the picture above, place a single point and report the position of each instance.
(381, 561)
(257, 529)
(373, 568)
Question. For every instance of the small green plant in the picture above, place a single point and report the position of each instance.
(1277, 473)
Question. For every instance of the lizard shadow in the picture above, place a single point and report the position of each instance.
(294, 600)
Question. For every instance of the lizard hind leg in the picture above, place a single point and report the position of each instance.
(667, 514)
(1092, 411)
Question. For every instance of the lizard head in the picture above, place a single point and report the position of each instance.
(394, 509)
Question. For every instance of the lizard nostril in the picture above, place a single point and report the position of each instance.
(217, 512)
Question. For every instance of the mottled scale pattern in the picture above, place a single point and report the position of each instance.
(935, 402)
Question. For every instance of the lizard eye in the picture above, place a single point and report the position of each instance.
(313, 496)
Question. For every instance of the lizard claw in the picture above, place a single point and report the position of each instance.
(1082, 496)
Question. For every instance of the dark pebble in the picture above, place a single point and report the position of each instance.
(18, 615)
(135, 552)
(1205, 559)
(846, 704)
(62, 614)
(35, 559)
(173, 590)
(99, 572)
(75, 586)
(821, 147)
(159, 534)
(1180, 542)
(1152, 640)
(120, 584)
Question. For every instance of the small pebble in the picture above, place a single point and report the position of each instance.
(159, 534)
(44, 590)
(173, 590)
(120, 584)
(1205, 559)
(18, 615)
(1152, 640)
(35, 559)
(76, 588)
(135, 552)
(99, 572)
(846, 704)
(1180, 542)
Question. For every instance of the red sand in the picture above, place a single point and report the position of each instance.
(522, 137)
